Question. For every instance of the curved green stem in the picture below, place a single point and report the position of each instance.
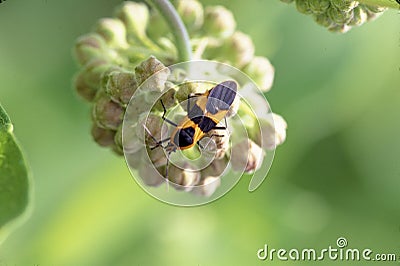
(382, 3)
(177, 27)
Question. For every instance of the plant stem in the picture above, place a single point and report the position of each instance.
(382, 3)
(177, 27)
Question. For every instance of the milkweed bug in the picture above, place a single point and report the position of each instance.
(206, 113)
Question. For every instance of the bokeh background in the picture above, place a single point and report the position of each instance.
(338, 174)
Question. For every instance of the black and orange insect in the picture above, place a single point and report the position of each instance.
(206, 113)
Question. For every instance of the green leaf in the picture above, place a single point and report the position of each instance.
(14, 178)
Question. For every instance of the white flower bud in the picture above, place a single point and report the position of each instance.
(157, 156)
(183, 179)
(261, 71)
(130, 141)
(191, 12)
(215, 169)
(207, 186)
(148, 173)
(247, 156)
(219, 22)
(239, 49)
(220, 138)
(273, 131)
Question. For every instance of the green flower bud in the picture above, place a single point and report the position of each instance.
(359, 17)
(207, 186)
(120, 86)
(117, 149)
(303, 6)
(261, 71)
(191, 12)
(85, 90)
(188, 88)
(183, 179)
(219, 22)
(118, 139)
(344, 5)
(88, 47)
(106, 113)
(113, 31)
(103, 137)
(324, 20)
(338, 16)
(157, 26)
(373, 11)
(319, 6)
(246, 155)
(151, 67)
(135, 16)
(272, 133)
(168, 99)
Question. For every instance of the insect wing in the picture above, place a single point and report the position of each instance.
(221, 97)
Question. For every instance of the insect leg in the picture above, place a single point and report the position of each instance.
(219, 128)
(212, 135)
(158, 142)
(166, 170)
(163, 116)
(222, 127)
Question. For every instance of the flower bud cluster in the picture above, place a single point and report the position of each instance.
(124, 51)
(337, 15)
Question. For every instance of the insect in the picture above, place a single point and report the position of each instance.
(206, 113)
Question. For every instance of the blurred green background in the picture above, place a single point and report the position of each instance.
(338, 174)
